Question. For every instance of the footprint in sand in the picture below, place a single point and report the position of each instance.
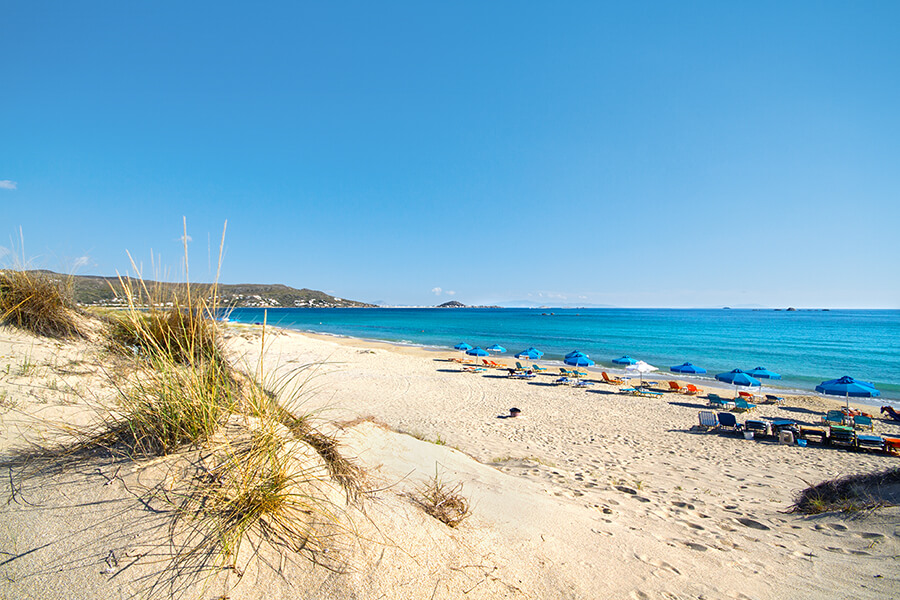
(753, 524)
(696, 546)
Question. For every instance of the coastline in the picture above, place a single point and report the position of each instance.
(707, 382)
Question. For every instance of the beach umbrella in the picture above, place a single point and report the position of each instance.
(763, 373)
(847, 386)
(641, 367)
(462, 346)
(625, 360)
(687, 368)
(496, 348)
(736, 378)
(477, 351)
(530, 354)
(578, 359)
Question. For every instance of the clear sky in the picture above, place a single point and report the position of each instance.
(631, 154)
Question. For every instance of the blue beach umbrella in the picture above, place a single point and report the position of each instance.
(462, 346)
(476, 351)
(625, 360)
(847, 386)
(496, 348)
(530, 354)
(763, 373)
(687, 368)
(578, 359)
(736, 378)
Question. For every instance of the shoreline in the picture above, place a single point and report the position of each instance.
(660, 375)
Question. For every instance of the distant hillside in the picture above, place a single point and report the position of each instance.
(94, 290)
(452, 304)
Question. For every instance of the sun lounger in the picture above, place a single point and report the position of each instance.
(674, 386)
(716, 400)
(538, 368)
(578, 373)
(612, 380)
(522, 375)
(775, 399)
(708, 419)
(834, 417)
(692, 390)
(562, 381)
(746, 395)
(807, 432)
(727, 420)
(892, 444)
(583, 383)
(474, 369)
(566, 372)
(841, 435)
(863, 422)
(648, 393)
(758, 427)
(870, 442)
(742, 405)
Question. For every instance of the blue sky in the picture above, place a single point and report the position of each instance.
(632, 154)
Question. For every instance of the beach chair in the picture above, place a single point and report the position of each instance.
(674, 386)
(742, 405)
(583, 383)
(745, 395)
(716, 400)
(757, 427)
(727, 420)
(692, 390)
(566, 372)
(578, 373)
(519, 367)
(708, 419)
(841, 435)
(834, 417)
(806, 432)
(870, 442)
(611, 380)
(474, 369)
(522, 375)
(863, 422)
(891, 444)
(774, 399)
(648, 393)
(562, 381)
(538, 368)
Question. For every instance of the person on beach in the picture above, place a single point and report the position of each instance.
(892, 413)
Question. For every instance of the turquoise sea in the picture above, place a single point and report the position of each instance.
(805, 347)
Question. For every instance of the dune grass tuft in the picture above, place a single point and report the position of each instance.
(258, 489)
(443, 501)
(171, 406)
(850, 494)
(37, 303)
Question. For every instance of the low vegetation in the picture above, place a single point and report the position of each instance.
(850, 494)
(37, 303)
(257, 467)
(443, 501)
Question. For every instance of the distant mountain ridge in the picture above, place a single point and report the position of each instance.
(96, 290)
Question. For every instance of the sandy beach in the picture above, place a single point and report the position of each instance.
(590, 493)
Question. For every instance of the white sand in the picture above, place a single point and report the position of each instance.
(589, 494)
